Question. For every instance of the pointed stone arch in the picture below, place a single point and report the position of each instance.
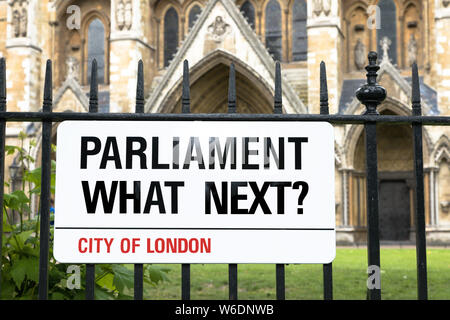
(354, 132)
(441, 150)
(209, 63)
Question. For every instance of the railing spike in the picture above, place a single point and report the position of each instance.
(140, 88)
(186, 95)
(2, 84)
(232, 90)
(48, 88)
(93, 93)
(416, 104)
(324, 108)
(278, 97)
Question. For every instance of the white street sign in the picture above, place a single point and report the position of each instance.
(195, 192)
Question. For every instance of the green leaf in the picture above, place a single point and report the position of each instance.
(22, 135)
(102, 294)
(25, 267)
(157, 274)
(6, 226)
(8, 290)
(123, 277)
(11, 149)
(33, 176)
(57, 296)
(21, 196)
(24, 236)
(107, 282)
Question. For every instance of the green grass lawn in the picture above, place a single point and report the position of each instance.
(398, 278)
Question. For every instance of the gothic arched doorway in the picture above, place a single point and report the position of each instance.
(396, 181)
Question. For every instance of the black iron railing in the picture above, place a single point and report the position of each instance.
(370, 95)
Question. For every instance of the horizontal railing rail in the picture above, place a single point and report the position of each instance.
(11, 116)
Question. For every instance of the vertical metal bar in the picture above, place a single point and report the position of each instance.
(232, 268)
(371, 95)
(278, 109)
(421, 250)
(324, 109)
(186, 108)
(93, 108)
(2, 146)
(45, 186)
(139, 268)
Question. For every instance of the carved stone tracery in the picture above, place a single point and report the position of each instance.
(320, 6)
(19, 19)
(124, 14)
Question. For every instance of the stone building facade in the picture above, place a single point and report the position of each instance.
(252, 34)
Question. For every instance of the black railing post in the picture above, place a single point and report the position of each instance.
(93, 108)
(186, 108)
(139, 267)
(232, 268)
(371, 95)
(46, 167)
(419, 199)
(324, 109)
(278, 109)
(2, 146)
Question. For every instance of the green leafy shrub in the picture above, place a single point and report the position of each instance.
(21, 245)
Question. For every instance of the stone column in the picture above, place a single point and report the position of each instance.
(442, 23)
(129, 42)
(23, 55)
(325, 40)
(345, 204)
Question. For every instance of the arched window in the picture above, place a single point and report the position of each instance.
(388, 28)
(193, 15)
(170, 35)
(273, 29)
(96, 49)
(299, 34)
(248, 10)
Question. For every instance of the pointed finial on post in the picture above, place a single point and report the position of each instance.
(2, 84)
(324, 109)
(371, 94)
(278, 97)
(416, 104)
(48, 88)
(186, 94)
(93, 92)
(140, 88)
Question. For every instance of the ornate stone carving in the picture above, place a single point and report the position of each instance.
(19, 19)
(128, 14)
(120, 15)
(385, 43)
(320, 6)
(16, 23)
(73, 67)
(124, 14)
(218, 29)
(23, 22)
(412, 50)
(326, 7)
(360, 54)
